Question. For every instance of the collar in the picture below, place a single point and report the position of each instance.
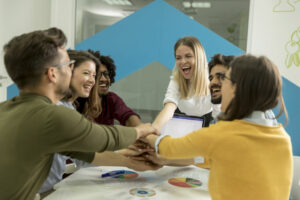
(259, 117)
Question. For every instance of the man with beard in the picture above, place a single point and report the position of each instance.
(33, 128)
(217, 68)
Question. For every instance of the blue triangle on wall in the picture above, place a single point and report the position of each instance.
(149, 35)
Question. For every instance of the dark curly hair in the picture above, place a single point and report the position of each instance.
(108, 62)
(219, 59)
(111, 67)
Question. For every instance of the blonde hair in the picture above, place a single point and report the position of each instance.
(198, 86)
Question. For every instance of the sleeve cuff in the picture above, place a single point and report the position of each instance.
(199, 160)
(158, 141)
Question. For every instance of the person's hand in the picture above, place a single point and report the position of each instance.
(139, 145)
(136, 149)
(132, 151)
(156, 159)
(159, 160)
(142, 165)
(145, 129)
(150, 140)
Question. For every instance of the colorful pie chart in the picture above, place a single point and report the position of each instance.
(142, 192)
(185, 182)
(125, 175)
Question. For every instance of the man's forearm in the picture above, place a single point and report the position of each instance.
(133, 121)
(110, 158)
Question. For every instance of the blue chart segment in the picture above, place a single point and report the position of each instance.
(126, 175)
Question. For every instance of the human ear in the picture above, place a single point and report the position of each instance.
(52, 74)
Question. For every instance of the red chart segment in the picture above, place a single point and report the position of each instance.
(185, 182)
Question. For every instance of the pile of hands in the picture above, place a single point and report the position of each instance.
(142, 154)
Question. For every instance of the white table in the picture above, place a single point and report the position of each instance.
(86, 184)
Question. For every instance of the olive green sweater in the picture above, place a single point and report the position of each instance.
(32, 129)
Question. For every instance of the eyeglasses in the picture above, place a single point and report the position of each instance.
(226, 77)
(105, 74)
(218, 75)
(69, 63)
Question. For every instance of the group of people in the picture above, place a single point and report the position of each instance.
(65, 105)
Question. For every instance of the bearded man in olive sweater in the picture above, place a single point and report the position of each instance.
(33, 128)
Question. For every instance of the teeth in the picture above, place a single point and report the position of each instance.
(87, 86)
(102, 85)
(216, 90)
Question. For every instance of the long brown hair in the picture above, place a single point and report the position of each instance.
(200, 82)
(258, 87)
(92, 107)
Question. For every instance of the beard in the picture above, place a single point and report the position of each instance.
(63, 92)
(217, 100)
(103, 94)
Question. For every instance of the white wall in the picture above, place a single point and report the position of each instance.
(21, 16)
(17, 17)
(273, 26)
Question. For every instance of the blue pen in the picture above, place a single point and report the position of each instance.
(113, 173)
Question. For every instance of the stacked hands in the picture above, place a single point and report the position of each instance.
(142, 154)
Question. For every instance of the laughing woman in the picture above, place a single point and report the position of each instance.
(188, 88)
(250, 157)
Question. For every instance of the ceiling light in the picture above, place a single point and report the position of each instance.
(106, 12)
(186, 4)
(201, 4)
(119, 2)
(196, 4)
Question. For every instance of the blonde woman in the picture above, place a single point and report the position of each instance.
(188, 88)
(188, 91)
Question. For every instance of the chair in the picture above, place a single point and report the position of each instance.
(295, 192)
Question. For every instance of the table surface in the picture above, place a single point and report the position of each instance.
(87, 184)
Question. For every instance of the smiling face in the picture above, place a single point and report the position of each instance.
(104, 80)
(83, 79)
(185, 61)
(215, 84)
(227, 91)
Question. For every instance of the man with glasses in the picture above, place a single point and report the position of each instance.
(33, 128)
(217, 67)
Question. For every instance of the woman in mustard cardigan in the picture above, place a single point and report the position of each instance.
(251, 158)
